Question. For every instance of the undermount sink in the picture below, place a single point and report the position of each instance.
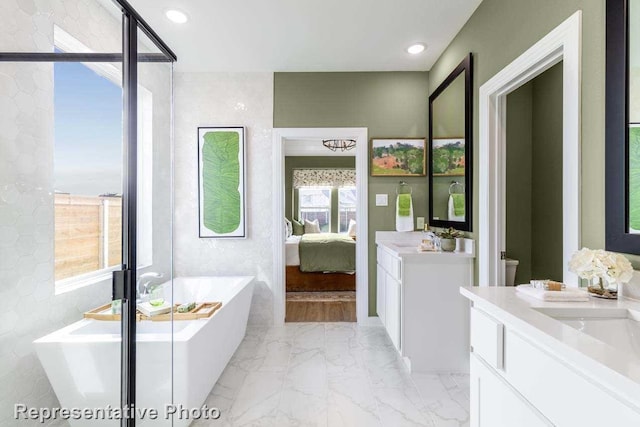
(618, 327)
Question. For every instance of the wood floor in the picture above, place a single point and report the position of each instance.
(336, 306)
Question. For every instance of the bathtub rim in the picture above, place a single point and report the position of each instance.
(65, 334)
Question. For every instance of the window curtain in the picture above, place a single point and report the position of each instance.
(324, 178)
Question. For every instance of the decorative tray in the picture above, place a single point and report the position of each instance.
(202, 310)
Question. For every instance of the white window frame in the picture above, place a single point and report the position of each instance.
(355, 206)
(67, 43)
(320, 187)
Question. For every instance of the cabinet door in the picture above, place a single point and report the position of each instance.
(380, 293)
(392, 310)
(494, 403)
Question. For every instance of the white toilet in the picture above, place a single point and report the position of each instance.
(510, 271)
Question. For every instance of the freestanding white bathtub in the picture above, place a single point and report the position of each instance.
(82, 360)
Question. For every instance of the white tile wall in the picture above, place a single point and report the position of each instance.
(225, 99)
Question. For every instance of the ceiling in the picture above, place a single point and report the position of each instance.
(305, 35)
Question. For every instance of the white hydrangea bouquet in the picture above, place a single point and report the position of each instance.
(609, 267)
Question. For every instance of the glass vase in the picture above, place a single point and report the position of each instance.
(600, 288)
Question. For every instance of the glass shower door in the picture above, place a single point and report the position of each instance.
(61, 186)
(78, 197)
(154, 339)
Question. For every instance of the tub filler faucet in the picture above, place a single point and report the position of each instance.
(146, 279)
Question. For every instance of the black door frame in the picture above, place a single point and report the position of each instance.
(124, 280)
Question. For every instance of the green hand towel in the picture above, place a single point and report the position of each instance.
(404, 204)
(458, 204)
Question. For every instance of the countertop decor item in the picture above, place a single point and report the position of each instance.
(604, 271)
(566, 295)
(448, 238)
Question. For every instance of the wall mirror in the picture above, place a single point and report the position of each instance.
(623, 127)
(450, 150)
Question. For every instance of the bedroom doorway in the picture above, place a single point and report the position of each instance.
(320, 196)
(320, 215)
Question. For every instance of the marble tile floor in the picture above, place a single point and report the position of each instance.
(332, 374)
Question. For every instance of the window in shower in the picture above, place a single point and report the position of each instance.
(88, 173)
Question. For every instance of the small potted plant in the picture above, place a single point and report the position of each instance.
(448, 239)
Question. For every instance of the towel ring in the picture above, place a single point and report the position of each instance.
(453, 186)
(402, 188)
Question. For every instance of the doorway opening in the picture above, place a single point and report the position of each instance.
(320, 247)
(320, 225)
(533, 193)
(563, 44)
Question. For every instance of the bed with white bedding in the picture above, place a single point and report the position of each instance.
(324, 279)
(292, 252)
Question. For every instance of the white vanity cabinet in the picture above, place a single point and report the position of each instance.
(495, 403)
(524, 376)
(393, 307)
(381, 299)
(389, 292)
(419, 304)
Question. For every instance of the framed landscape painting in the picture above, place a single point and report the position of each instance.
(221, 181)
(448, 157)
(398, 156)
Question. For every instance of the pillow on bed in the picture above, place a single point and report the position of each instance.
(288, 228)
(298, 228)
(311, 226)
(351, 231)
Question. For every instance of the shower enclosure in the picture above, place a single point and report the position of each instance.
(86, 208)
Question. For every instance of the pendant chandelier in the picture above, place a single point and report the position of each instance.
(339, 144)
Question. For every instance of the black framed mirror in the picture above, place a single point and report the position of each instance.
(622, 159)
(450, 150)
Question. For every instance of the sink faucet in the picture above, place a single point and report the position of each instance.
(145, 279)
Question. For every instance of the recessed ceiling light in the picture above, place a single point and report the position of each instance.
(176, 16)
(417, 48)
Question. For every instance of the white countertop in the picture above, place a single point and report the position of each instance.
(613, 367)
(405, 244)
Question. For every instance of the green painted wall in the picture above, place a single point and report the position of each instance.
(534, 177)
(307, 162)
(497, 33)
(519, 179)
(546, 236)
(389, 104)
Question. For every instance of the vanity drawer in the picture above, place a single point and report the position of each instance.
(564, 395)
(487, 338)
(390, 263)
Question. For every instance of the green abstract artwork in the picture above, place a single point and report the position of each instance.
(221, 174)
